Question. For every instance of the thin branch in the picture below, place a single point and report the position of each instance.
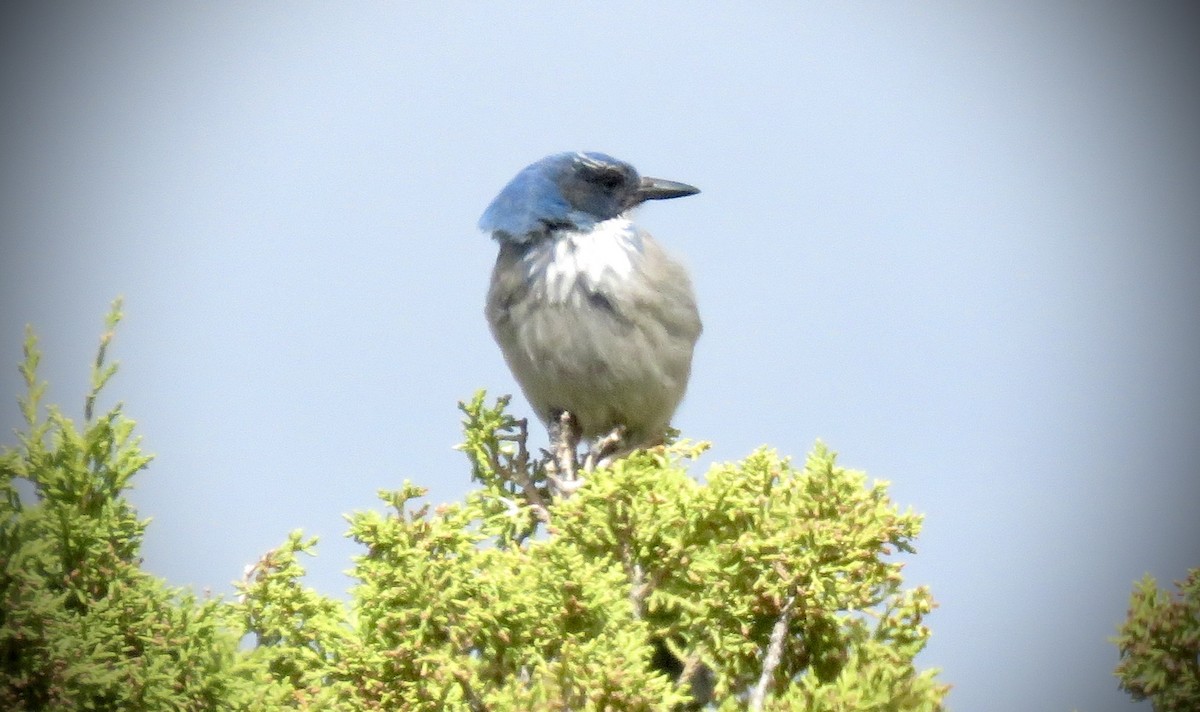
(637, 587)
(773, 656)
(518, 471)
(698, 678)
(464, 681)
(642, 588)
(100, 373)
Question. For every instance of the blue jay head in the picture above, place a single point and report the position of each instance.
(571, 191)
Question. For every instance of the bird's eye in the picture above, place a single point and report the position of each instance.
(610, 180)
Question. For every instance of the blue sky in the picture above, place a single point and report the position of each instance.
(958, 244)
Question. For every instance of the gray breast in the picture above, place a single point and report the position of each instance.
(612, 343)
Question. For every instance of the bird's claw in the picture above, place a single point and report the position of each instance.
(605, 450)
(562, 470)
(563, 467)
(565, 488)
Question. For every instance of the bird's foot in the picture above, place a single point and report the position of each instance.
(605, 450)
(562, 469)
(565, 488)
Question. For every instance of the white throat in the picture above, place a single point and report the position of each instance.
(574, 264)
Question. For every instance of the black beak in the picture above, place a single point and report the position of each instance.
(659, 189)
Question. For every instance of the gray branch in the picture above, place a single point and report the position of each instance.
(773, 655)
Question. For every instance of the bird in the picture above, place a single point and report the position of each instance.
(591, 314)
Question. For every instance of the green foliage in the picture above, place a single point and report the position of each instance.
(769, 586)
(81, 626)
(1160, 645)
